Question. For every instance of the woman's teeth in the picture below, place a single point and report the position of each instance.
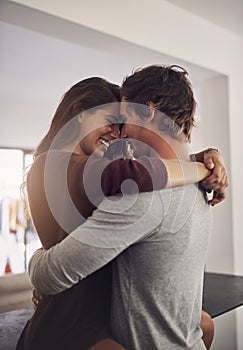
(105, 143)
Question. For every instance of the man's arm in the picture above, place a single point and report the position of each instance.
(113, 227)
(218, 180)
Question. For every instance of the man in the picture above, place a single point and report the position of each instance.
(157, 282)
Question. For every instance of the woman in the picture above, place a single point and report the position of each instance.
(79, 318)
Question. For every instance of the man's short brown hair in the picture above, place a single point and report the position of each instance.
(169, 91)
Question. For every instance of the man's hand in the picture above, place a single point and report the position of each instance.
(218, 180)
(36, 298)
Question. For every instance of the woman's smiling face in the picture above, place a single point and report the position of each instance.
(99, 126)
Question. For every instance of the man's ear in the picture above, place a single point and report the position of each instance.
(151, 113)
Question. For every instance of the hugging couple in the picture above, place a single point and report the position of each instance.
(124, 234)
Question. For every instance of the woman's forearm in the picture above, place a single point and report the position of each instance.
(182, 172)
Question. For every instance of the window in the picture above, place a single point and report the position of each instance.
(18, 239)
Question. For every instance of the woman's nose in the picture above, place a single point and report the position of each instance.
(123, 133)
(115, 133)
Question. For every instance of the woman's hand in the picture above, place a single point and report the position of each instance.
(218, 180)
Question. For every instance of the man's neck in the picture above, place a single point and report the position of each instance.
(169, 147)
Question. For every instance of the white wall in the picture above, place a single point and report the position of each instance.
(214, 128)
(160, 26)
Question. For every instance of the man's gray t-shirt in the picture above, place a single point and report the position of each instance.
(157, 282)
(158, 278)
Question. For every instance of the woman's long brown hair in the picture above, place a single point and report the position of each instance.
(86, 94)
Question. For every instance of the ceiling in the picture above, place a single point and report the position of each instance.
(224, 13)
(42, 56)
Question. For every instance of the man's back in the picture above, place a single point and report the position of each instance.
(157, 282)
